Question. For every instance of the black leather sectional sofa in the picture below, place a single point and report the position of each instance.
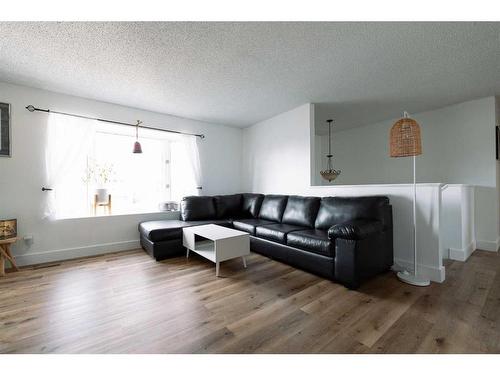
(345, 239)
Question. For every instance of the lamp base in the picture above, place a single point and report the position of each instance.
(411, 279)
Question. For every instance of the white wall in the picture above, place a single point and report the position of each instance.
(278, 150)
(458, 146)
(277, 159)
(22, 176)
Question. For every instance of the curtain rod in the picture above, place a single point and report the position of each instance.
(33, 109)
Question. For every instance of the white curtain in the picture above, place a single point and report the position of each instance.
(69, 140)
(192, 149)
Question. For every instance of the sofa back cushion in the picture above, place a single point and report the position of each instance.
(198, 208)
(273, 207)
(250, 205)
(301, 211)
(228, 206)
(336, 210)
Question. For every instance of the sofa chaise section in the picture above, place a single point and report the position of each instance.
(162, 239)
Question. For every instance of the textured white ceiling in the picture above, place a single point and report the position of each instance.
(241, 73)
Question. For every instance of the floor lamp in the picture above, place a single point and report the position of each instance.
(405, 141)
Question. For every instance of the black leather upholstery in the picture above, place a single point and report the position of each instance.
(346, 239)
(163, 249)
(314, 240)
(276, 232)
(251, 205)
(162, 230)
(301, 211)
(356, 229)
(249, 225)
(337, 210)
(358, 260)
(306, 260)
(273, 207)
(198, 208)
(228, 206)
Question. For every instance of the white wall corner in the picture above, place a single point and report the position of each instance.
(462, 254)
(488, 245)
(312, 134)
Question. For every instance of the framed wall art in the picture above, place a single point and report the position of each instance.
(497, 142)
(5, 130)
(8, 229)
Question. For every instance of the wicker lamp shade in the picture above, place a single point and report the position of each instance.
(405, 138)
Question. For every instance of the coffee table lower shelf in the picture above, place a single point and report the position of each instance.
(216, 243)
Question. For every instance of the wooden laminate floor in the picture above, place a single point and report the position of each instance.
(128, 303)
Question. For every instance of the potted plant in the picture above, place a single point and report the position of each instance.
(100, 175)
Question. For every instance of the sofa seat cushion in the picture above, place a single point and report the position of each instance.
(164, 230)
(276, 232)
(249, 225)
(313, 240)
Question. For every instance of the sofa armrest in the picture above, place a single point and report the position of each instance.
(355, 230)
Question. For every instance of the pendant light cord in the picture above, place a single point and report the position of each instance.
(139, 122)
(329, 137)
(329, 156)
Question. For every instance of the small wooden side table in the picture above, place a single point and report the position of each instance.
(107, 206)
(6, 254)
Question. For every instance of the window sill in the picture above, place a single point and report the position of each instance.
(118, 214)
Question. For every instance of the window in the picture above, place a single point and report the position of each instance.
(101, 163)
(139, 182)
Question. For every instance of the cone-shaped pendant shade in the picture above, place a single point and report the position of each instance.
(137, 148)
(137, 145)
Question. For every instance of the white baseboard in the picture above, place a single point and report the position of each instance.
(75, 252)
(462, 254)
(488, 245)
(432, 273)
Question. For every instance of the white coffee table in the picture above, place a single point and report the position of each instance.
(216, 243)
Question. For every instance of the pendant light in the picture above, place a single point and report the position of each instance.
(329, 173)
(137, 145)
